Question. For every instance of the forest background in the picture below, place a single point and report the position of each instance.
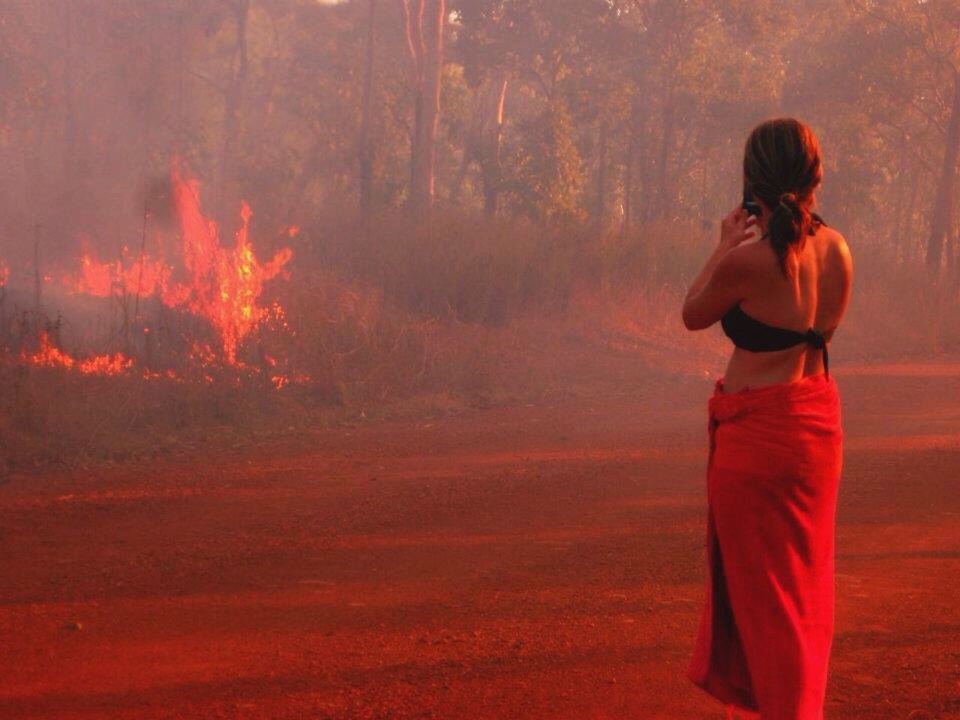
(486, 201)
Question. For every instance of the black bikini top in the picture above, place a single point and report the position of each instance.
(751, 334)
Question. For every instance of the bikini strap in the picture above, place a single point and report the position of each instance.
(817, 220)
(819, 341)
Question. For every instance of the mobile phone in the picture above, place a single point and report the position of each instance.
(749, 204)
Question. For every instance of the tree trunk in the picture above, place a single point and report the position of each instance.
(468, 155)
(482, 143)
(951, 257)
(601, 199)
(898, 214)
(365, 144)
(71, 163)
(955, 243)
(663, 160)
(426, 47)
(471, 143)
(231, 113)
(413, 27)
(629, 174)
(942, 221)
(913, 248)
(490, 142)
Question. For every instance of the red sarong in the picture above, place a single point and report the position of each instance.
(767, 627)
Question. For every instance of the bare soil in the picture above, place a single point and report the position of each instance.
(513, 562)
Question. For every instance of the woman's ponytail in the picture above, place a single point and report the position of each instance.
(788, 223)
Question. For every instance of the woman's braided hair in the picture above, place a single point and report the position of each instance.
(782, 167)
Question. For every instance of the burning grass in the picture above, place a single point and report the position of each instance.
(221, 284)
(49, 355)
(365, 360)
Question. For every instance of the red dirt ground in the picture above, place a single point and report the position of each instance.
(519, 562)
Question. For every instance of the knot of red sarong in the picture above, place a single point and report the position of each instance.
(724, 406)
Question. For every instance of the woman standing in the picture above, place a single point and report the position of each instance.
(775, 437)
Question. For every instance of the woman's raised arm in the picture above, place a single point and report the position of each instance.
(722, 281)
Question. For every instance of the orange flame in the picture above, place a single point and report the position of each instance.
(222, 284)
(141, 276)
(49, 355)
(4, 273)
(225, 283)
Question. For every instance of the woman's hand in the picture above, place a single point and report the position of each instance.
(724, 278)
(736, 227)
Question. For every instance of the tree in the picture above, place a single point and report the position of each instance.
(548, 172)
(365, 143)
(424, 22)
(232, 110)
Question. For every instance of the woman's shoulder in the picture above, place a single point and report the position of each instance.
(834, 238)
(836, 251)
(753, 254)
(759, 262)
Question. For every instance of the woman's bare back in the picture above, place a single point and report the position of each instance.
(813, 293)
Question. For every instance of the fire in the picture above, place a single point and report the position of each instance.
(49, 355)
(128, 275)
(224, 282)
(4, 273)
(220, 283)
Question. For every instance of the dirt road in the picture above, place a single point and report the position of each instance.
(522, 562)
